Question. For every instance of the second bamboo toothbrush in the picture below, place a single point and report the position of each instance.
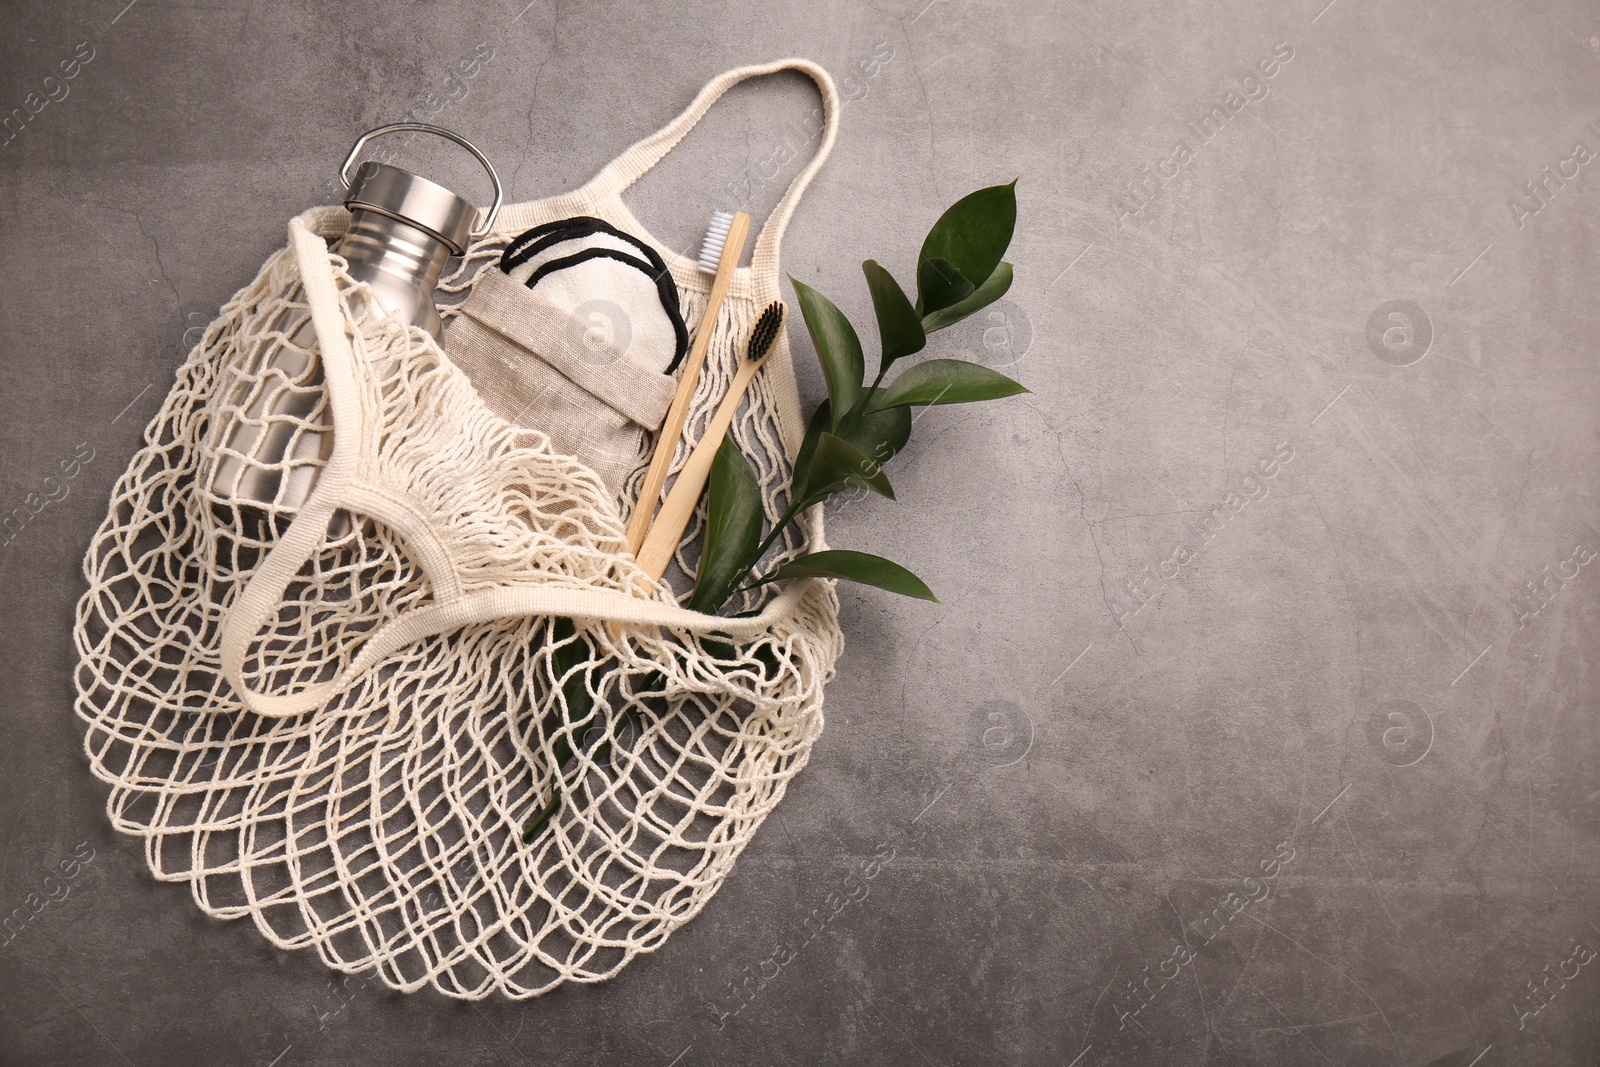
(673, 519)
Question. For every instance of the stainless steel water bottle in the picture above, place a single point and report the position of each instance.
(403, 229)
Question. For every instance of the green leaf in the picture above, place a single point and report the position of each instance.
(602, 748)
(560, 785)
(569, 653)
(821, 422)
(563, 664)
(839, 464)
(838, 347)
(767, 656)
(899, 329)
(880, 435)
(946, 381)
(973, 235)
(531, 831)
(654, 684)
(940, 285)
(860, 567)
(733, 528)
(987, 293)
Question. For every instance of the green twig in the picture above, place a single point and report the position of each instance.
(564, 751)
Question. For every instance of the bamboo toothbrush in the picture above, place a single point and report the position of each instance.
(719, 256)
(673, 518)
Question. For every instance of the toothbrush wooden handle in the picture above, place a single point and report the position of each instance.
(678, 413)
(673, 518)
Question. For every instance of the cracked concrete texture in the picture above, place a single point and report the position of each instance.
(1347, 661)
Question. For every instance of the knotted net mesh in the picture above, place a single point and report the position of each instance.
(385, 827)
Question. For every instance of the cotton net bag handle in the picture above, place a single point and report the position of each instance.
(636, 161)
(262, 594)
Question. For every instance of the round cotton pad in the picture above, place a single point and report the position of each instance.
(616, 286)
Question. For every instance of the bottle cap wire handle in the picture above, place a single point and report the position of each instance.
(422, 127)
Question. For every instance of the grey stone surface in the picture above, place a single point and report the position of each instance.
(1081, 754)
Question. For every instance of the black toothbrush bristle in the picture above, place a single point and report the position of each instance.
(767, 328)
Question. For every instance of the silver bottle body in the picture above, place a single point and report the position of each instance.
(276, 448)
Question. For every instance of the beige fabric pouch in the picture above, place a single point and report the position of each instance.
(575, 373)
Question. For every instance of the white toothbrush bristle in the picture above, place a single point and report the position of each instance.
(716, 237)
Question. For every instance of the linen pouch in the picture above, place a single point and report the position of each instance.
(568, 364)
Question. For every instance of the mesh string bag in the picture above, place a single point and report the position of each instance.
(337, 719)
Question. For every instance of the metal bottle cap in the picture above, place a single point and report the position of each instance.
(413, 199)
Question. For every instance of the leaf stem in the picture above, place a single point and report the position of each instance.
(851, 418)
(770, 576)
(777, 530)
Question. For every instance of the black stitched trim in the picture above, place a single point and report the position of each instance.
(664, 286)
(531, 242)
(508, 258)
